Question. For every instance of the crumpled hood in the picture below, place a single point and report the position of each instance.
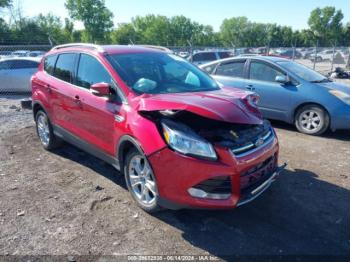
(226, 104)
(336, 86)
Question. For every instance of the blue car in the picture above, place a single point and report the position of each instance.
(288, 91)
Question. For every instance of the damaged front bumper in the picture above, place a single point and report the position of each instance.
(187, 182)
(251, 193)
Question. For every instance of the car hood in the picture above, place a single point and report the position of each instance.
(336, 86)
(226, 104)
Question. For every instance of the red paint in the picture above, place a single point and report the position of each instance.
(92, 118)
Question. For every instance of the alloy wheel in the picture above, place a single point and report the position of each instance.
(142, 181)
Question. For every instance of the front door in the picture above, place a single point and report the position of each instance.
(275, 98)
(95, 118)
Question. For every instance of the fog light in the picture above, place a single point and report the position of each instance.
(199, 193)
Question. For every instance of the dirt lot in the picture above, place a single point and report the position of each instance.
(68, 202)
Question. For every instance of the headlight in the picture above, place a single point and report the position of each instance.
(183, 140)
(341, 95)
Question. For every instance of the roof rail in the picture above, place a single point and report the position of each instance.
(162, 48)
(92, 46)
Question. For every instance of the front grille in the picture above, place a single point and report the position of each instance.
(217, 185)
(252, 146)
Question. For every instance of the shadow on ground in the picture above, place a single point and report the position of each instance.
(300, 214)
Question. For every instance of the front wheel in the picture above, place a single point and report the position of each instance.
(141, 182)
(312, 120)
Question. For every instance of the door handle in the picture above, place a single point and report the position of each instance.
(250, 87)
(48, 88)
(77, 100)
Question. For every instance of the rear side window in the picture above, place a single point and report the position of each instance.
(204, 57)
(234, 69)
(49, 64)
(65, 67)
(90, 71)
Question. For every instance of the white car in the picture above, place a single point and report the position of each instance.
(326, 55)
(15, 74)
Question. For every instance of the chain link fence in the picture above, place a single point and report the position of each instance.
(19, 62)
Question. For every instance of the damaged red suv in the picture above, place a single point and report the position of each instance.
(179, 138)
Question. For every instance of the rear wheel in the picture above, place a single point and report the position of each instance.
(45, 132)
(312, 120)
(141, 182)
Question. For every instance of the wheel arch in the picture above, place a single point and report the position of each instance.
(38, 106)
(125, 144)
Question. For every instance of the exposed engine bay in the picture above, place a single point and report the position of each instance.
(216, 132)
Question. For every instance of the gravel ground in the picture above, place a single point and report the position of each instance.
(70, 203)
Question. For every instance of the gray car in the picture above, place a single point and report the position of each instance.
(288, 91)
(203, 57)
(15, 74)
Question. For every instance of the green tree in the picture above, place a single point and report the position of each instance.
(51, 26)
(96, 17)
(5, 3)
(125, 34)
(326, 25)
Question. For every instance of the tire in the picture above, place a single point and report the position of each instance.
(312, 120)
(45, 132)
(319, 59)
(144, 187)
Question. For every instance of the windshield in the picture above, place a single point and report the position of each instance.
(303, 72)
(156, 73)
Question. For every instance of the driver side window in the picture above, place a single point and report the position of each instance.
(90, 72)
(263, 72)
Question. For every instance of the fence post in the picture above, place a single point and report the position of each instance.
(348, 62)
(315, 55)
(333, 58)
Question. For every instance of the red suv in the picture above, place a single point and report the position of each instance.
(179, 138)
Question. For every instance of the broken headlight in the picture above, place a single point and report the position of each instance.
(183, 140)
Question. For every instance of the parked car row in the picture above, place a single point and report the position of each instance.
(21, 53)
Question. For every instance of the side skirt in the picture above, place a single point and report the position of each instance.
(83, 145)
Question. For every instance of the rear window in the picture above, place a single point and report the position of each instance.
(49, 64)
(65, 67)
(223, 55)
(233, 69)
(204, 57)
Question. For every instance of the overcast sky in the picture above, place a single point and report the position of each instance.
(293, 13)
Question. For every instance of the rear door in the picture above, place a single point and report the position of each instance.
(275, 98)
(232, 73)
(62, 92)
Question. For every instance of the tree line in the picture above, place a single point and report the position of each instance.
(326, 28)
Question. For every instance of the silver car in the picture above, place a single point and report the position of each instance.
(15, 74)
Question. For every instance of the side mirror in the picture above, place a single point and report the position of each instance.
(100, 89)
(282, 79)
